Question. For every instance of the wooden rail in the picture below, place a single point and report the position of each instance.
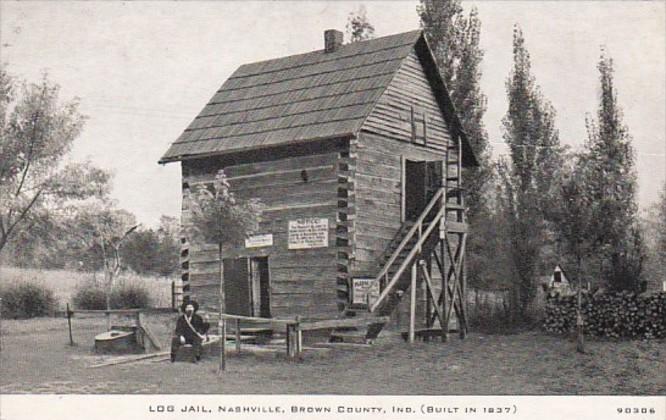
(136, 313)
(336, 323)
(123, 311)
(294, 334)
(423, 236)
(408, 237)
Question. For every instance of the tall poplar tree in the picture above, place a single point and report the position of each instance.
(529, 178)
(454, 39)
(611, 183)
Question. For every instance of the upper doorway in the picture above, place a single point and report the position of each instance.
(422, 179)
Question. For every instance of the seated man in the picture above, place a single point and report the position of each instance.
(190, 329)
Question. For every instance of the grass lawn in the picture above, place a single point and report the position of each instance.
(35, 358)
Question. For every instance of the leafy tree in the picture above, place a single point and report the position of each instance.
(530, 179)
(150, 251)
(358, 27)
(100, 225)
(611, 183)
(141, 251)
(36, 134)
(654, 231)
(169, 246)
(219, 217)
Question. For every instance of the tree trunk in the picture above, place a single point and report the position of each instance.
(222, 323)
(107, 284)
(221, 296)
(580, 339)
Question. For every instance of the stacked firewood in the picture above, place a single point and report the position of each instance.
(618, 315)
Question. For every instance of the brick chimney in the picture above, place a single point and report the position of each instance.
(332, 40)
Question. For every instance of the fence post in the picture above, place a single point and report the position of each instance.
(173, 295)
(222, 325)
(69, 325)
(238, 336)
(290, 342)
(0, 324)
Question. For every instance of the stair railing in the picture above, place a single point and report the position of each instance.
(417, 229)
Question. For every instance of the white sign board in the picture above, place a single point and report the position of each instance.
(308, 233)
(257, 241)
(362, 287)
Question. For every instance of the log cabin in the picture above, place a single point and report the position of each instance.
(356, 152)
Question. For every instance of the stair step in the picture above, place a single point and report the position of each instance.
(454, 206)
(349, 338)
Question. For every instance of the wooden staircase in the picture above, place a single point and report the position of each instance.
(415, 241)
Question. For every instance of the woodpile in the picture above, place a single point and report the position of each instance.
(616, 315)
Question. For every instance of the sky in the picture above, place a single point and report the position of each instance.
(143, 70)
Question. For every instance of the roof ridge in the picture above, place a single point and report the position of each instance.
(333, 56)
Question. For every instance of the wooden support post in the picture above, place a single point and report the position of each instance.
(288, 340)
(222, 326)
(445, 294)
(70, 334)
(69, 325)
(137, 319)
(299, 336)
(430, 305)
(412, 305)
(238, 336)
(140, 330)
(463, 294)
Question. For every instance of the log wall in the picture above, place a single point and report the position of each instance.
(303, 282)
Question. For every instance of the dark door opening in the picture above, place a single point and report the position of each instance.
(247, 286)
(422, 180)
(415, 193)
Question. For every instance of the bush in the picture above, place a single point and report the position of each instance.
(123, 296)
(130, 296)
(27, 300)
(89, 296)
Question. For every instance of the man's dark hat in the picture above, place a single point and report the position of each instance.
(189, 302)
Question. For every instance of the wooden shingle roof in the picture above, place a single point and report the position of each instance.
(303, 97)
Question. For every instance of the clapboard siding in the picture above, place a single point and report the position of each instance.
(378, 199)
(410, 90)
(303, 282)
(394, 131)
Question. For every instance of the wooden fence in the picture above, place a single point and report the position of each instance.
(294, 329)
(136, 313)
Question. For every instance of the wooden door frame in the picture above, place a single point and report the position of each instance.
(268, 285)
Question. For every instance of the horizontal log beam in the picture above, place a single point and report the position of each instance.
(338, 323)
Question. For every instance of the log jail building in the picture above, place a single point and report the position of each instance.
(356, 152)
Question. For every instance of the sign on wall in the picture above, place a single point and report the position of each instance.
(361, 288)
(258, 241)
(308, 233)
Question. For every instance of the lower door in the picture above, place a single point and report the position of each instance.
(247, 287)
(237, 286)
